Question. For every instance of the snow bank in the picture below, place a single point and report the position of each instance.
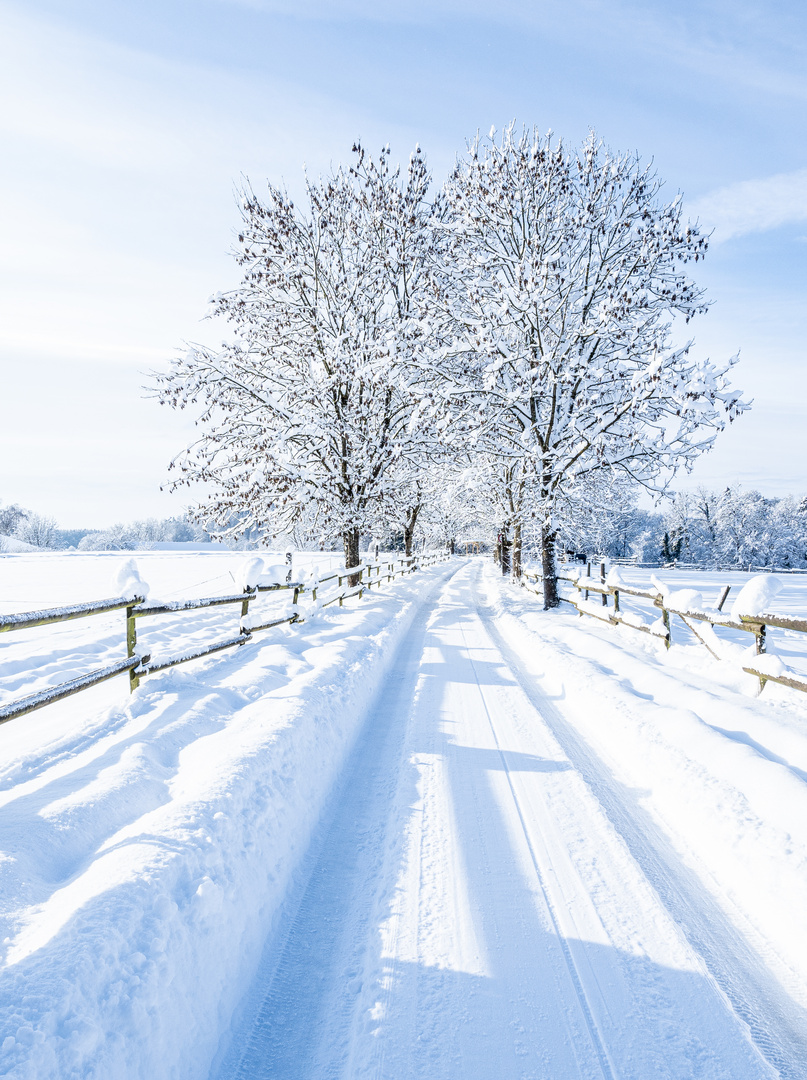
(10, 544)
(144, 859)
(756, 595)
(719, 774)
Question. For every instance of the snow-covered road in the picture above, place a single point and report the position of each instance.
(437, 832)
(483, 899)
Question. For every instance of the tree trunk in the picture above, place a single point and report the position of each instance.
(517, 552)
(409, 528)
(408, 541)
(351, 542)
(505, 550)
(550, 573)
(451, 545)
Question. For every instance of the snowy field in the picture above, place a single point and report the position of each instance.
(435, 833)
(32, 660)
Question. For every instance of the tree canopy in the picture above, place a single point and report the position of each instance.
(520, 324)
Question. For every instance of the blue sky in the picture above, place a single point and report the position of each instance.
(125, 128)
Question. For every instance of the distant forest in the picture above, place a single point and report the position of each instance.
(41, 531)
(732, 527)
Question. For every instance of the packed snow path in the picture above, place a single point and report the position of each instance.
(479, 902)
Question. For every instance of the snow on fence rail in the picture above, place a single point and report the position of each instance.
(721, 568)
(140, 664)
(767, 669)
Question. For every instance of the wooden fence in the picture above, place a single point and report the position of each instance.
(616, 616)
(139, 664)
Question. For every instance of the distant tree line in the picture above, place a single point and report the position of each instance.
(41, 531)
(733, 527)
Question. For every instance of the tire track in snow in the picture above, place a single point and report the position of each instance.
(537, 977)
(574, 974)
(299, 1008)
(777, 1024)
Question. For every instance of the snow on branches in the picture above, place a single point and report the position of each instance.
(521, 326)
(561, 273)
(308, 406)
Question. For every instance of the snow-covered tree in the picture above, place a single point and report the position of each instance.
(601, 517)
(448, 510)
(11, 517)
(309, 405)
(402, 510)
(735, 528)
(561, 273)
(37, 529)
(142, 534)
(744, 523)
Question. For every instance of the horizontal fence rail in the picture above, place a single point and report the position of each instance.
(139, 664)
(28, 619)
(719, 568)
(65, 689)
(714, 619)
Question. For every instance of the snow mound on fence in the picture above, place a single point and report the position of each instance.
(257, 571)
(766, 663)
(755, 596)
(249, 573)
(275, 574)
(128, 582)
(679, 599)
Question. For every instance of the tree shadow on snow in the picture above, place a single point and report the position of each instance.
(392, 962)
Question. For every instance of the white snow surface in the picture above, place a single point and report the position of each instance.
(436, 832)
(10, 544)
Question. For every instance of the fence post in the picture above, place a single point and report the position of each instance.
(759, 638)
(616, 599)
(340, 591)
(588, 574)
(602, 582)
(131, 646)
(665, 615)
(245, 603)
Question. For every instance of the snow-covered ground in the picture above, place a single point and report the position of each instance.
(707, 586)
(436, 832)
(33, 660)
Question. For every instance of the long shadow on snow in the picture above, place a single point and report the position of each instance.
(330, 1001)
(777, 1023)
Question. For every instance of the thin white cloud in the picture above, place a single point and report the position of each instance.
(731, 42)
(753, 205)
